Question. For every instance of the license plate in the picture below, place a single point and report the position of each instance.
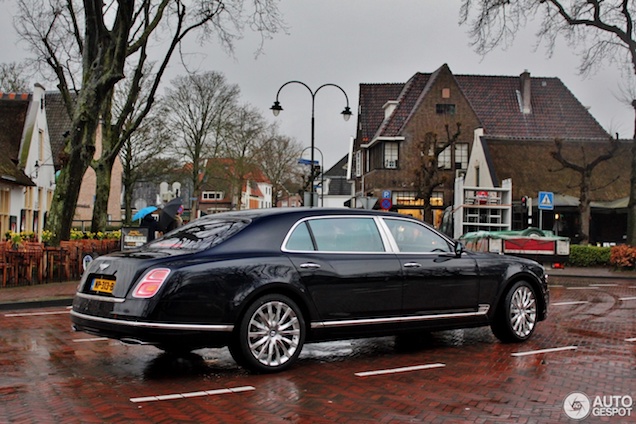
(101, 285)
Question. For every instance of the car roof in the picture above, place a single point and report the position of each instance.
(302, 211)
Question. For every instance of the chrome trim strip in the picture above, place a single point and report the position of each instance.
(100, 298)
(157, 325)
(483, 310)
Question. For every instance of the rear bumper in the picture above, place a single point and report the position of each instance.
(155, 333)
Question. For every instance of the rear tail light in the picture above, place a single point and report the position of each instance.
(151, 283)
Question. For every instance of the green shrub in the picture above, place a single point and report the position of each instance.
(589, 256)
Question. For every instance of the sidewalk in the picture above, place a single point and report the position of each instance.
(61, 294)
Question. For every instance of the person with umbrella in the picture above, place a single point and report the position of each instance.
(170, 217)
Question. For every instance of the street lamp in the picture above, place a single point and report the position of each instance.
(346, 114)
(311, 173)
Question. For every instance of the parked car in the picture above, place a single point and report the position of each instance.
(264, 282)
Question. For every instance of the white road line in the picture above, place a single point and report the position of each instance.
(535, 352)
(603, 285)
(192, 394)
(627, 298)
(582, 288)
(398, 370)
(92, 339)
(633, 339)
(580, 302)
(32, 314)
(556, 285)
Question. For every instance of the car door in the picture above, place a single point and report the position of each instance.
(343, 263)
(436, 280)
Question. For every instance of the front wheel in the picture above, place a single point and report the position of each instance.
(270, 335)
(516, 316)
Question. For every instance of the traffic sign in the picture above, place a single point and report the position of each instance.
(386, 194)
(386, 204)
(546, 200)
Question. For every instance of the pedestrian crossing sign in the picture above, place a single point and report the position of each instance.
(546, 200)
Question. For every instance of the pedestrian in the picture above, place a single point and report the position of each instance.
(151, 224)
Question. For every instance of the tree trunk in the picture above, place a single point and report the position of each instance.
(103, 172)
(584, 208)
(80, 152)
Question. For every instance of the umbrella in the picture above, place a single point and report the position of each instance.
(143, 212)
(169, 213)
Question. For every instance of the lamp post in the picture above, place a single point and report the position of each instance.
(346, 114)
(311, 173)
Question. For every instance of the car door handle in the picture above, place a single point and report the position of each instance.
(309, 265)
(412, 265)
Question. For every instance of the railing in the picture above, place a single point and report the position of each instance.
(35, 263)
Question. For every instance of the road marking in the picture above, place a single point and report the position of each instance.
(633, 339)
(627, 298)
(556, 285)
(582, 288)
(32, 314)
(192, 394)
(535, 352)
(603, 285)
(580, 302)
(398, 370)
(93, 339)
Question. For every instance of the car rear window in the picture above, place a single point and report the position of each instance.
(200, 234)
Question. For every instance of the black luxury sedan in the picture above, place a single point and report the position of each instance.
(263, 282)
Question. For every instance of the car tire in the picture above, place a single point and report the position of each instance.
(270, 335)
(516, 315)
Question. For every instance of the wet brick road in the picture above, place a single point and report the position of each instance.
(49, 374)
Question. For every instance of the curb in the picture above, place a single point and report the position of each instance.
(34, 304)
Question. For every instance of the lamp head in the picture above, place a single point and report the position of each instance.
(276, 108)
(346, 113)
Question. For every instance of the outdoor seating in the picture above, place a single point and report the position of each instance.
(34, 263)
(6, 267)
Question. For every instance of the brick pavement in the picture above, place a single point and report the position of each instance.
(48, 376)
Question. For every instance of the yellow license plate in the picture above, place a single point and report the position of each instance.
(102, 285)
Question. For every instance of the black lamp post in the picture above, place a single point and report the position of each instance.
(346, 114)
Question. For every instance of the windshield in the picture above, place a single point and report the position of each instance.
(199, 234)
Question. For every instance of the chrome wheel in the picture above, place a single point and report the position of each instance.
(523, 311)
(274, 333)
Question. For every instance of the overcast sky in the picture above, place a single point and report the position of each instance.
(372, 41)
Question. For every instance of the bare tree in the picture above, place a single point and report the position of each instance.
(584, 167)
(12, 78)
(279, 161)
(141, 158)
(87, 46)
(602, 31)
(243, 143)
(198, 109)
(426, 166)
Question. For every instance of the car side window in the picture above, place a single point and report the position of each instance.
(414, 237)
(341, 234)
(300, 239)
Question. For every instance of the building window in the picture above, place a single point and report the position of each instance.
(358, 165)
(391, 155)
(444, 160)
(212, 195)
(445, 109)
(445, 93)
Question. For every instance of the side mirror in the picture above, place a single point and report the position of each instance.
(459, 248)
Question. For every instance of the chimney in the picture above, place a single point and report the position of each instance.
(526, 94)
